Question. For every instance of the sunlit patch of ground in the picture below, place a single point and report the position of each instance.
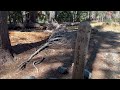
(17, 37)
(107, 61)
(113, 27)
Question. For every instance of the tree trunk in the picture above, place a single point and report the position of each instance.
(82, 42)
(24, 16)
(33, 16)
(14, 20)
(56, 13)
(88, 14)
(78, 16)
(9, 17)
(4, 35)
(51, 15)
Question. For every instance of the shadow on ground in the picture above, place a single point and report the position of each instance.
(110, 38)
(104, 40)
(20, 48)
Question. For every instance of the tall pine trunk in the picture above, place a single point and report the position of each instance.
(51, 15)
(33, 16)
(56, 14)
(4, 35)
(23, 16)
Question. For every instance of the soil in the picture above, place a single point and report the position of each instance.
(103, 55)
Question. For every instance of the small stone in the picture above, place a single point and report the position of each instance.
(51, 78)
(87, 74)
(62, 70)
(30, 77)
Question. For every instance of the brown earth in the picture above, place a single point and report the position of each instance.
(103, 56)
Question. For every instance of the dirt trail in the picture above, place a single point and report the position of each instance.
(106, 61)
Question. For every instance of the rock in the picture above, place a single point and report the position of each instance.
(49, 31)
(19, 26)
(42, 27)
(51, 78)
(36, 25)
(62, 70)
(71, 23)
(30, 77)
(67, 23)
(50, 26)
(75, 23)
(87, 74)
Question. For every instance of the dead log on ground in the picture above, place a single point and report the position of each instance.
(47, 44)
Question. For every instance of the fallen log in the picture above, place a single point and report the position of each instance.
(44, 46)
(23, 65)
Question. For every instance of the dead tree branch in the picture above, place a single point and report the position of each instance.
(23, 65)
(47, 44)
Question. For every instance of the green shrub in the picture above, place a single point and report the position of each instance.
(64, 16)
(108, 21)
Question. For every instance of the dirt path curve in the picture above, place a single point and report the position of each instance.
(104, 61)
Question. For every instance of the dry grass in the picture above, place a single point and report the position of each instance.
(113, 27)
(17, 37)
(96, 24)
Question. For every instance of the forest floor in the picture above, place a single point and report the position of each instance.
(103, 54)
(106, 62)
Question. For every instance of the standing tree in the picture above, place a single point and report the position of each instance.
(56, 14)
(4, 35)
(33, 16)
(23, 16)
(51, 15)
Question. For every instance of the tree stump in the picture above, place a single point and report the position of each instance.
(81, 47)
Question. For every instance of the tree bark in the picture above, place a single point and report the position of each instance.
(51, 15)
(9, 17)
(56, 14)
(23, 16)
(4, 35)
(33, 16)
(81, 47)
